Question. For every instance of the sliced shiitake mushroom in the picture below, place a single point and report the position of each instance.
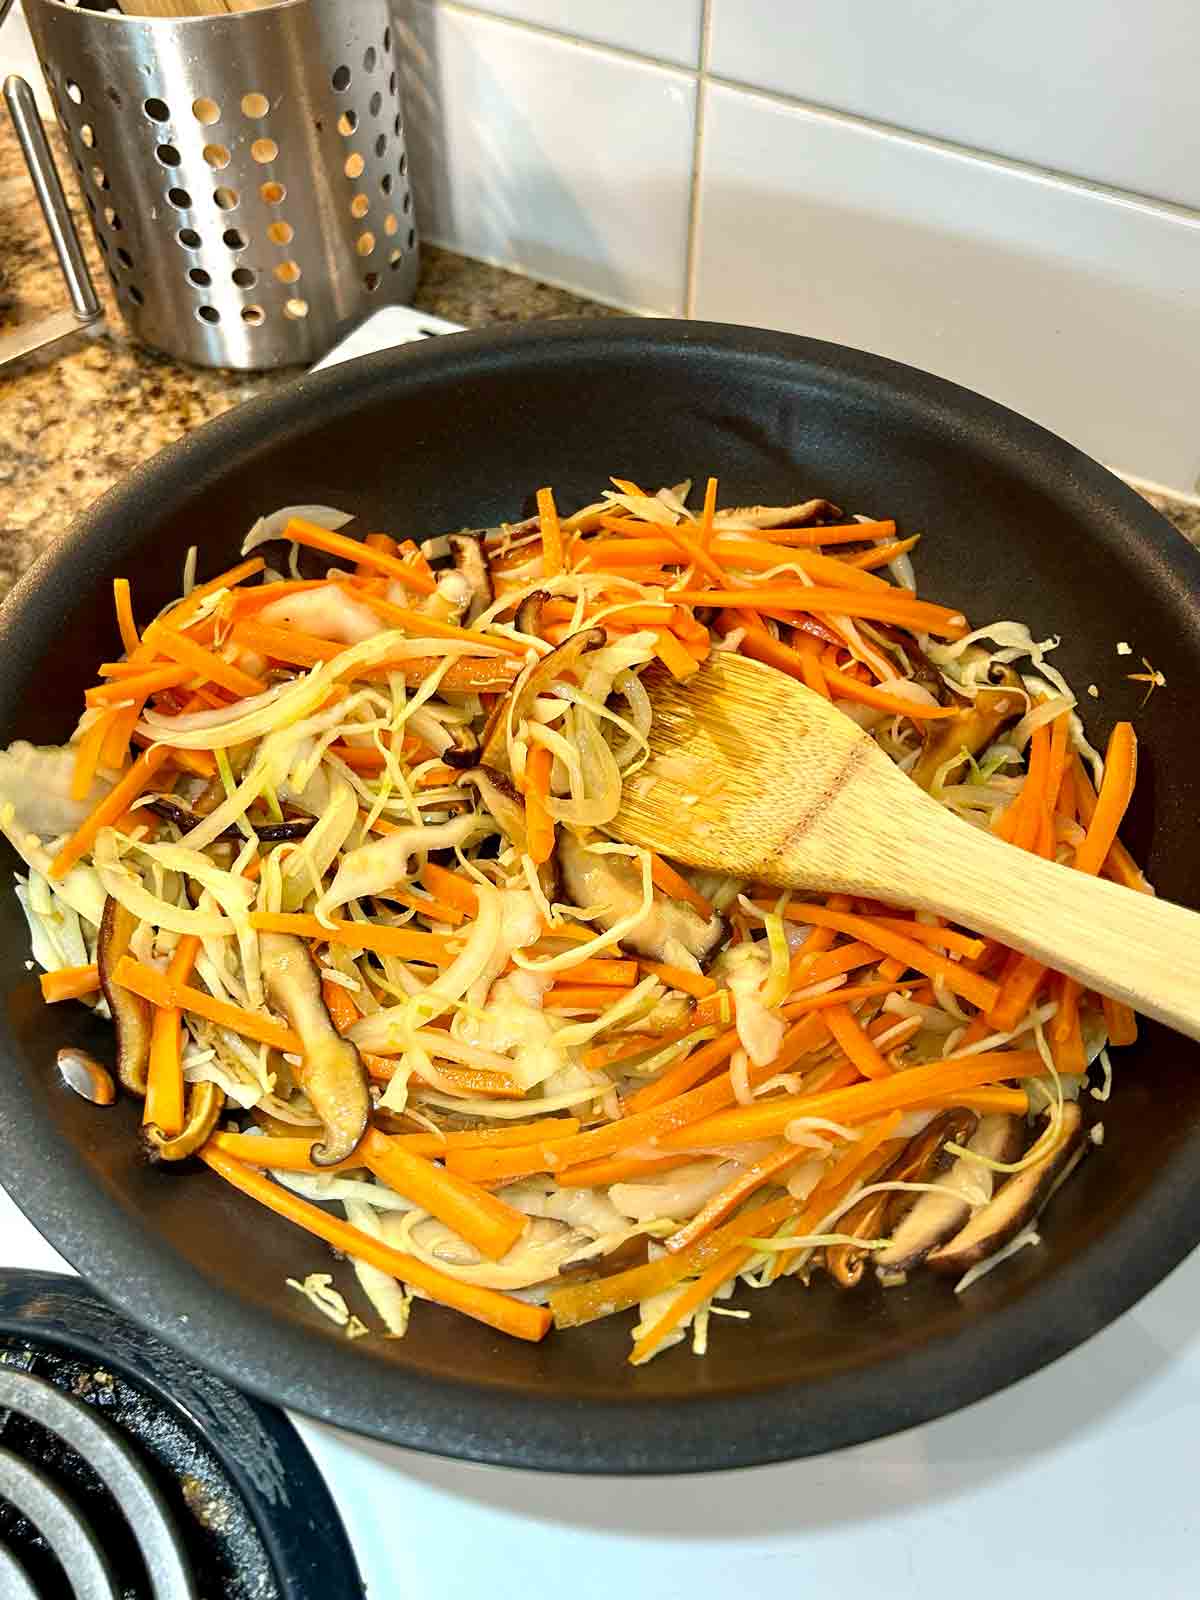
(972, 729)
(922, 1158)
(332, 1074)
(1016, 1203)
(462, 752)
(132, 1016)
(614, 884)
(516, 705)
(205, 1103)
(798, 516)
(501, 801)
(938, 1217)
(269, 832)
(631, 1252)
(470, 559)
(529, 613)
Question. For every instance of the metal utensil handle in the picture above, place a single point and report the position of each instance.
(31, 136)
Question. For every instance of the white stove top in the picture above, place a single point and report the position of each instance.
(1084, 1474)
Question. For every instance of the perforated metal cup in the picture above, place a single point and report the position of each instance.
(246, 175)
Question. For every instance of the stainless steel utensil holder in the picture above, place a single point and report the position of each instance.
(245, 175)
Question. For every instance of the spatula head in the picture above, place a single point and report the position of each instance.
(753, 774)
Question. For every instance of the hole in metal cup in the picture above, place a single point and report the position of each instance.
(296, 309)
(206, 111)
(180, 199)
(156, 110)
(281, 233)
(255, 105)
(254, 316)
(244, 277)
(208, 314)
(226, 199)
(341, 79)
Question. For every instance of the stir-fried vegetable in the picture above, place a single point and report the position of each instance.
(331, 851)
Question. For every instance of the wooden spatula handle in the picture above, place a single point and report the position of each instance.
(1131, 946)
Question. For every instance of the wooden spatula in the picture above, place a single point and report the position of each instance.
(753, 774)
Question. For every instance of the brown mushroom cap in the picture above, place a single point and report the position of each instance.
(1016, 1203)
(132, 1016)
(332, 1074)
(973, 728)
(470, 558)
(205, 1103)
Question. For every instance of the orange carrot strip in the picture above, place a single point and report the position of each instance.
(490, 1224)
(760, 646)
(683, 1075)
(69, 983)
(302, 532)
(114, 804)
(726, 1200)
(704, 532)
(1121, 1021)
(841, 533)
(224, 580)
(855, 1043)
(406, 943)
(510, 1136)
(1119, 865)
(674, 884)
(504, 1165)
(575, 1304)
(612, 974)
(901, 1091)
(812, 672)
(693, 983)
(156, 987)
(485, 1305)
(947, 939)
(451, 887)
(204, 664)
(1116, 791)
(1068, 1048)
(578, 997)
(123, 602)
(806, 969)
(423, 627)
(281, 1154)
(674, 655)
(539, 824)
(882, 605)
(1017, 993)
(553, 557)
(87, 755)
(882, 554)
(981, 992)
(756, 555)
(296, 648)
(163, 1106)
(616, 1169)
(140, 687)
(835, 997)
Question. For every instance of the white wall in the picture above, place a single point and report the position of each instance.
(1008, 194)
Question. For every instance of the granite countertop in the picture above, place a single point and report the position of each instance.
(81, 415)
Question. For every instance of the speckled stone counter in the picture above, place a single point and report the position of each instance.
(76, 419)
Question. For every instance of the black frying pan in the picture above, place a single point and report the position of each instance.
(461, 431)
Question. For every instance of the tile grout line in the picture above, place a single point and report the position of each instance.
(705, 79)
(692, 251)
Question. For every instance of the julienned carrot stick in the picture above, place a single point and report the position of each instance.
(296, 648)
(1019, 986)
(489, 1224)
(69, 983)
(115, 804)
(855, 1043)
(539, 824)
(756, 555)
(230, 579)
(674, 655)
(575, 1304)
(684, 1075)
(138, 688)
(704, 532)
(579, 997)
(503, 1165)
(278, 1154)
(981, 992)
(423, 627)
(353, 550)
(127, 627)
(452, 887)
(485, 1305)
(205, 664)
(880, 605)
(694, 983)
(87, 754)
(295, 1154)
(1121, 1021)
(611, 974)
(616, 1169)
(163, 1106)
(882, 555)
(511, 1136)
(1119, 865)
(553, 553)
(859, 1103)
(841, 997)
(760, 646)
(1116, 791)
(665, 877)
(747, 1182)
(841, 533)
(156, 987)
(806, 969)
(406, 943)
(947, 939)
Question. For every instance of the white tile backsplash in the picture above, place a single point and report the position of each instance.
(1079, 309)
(1103, 89)
(569, 162)
(666, 29)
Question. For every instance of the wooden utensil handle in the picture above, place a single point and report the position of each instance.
(1131, 946)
